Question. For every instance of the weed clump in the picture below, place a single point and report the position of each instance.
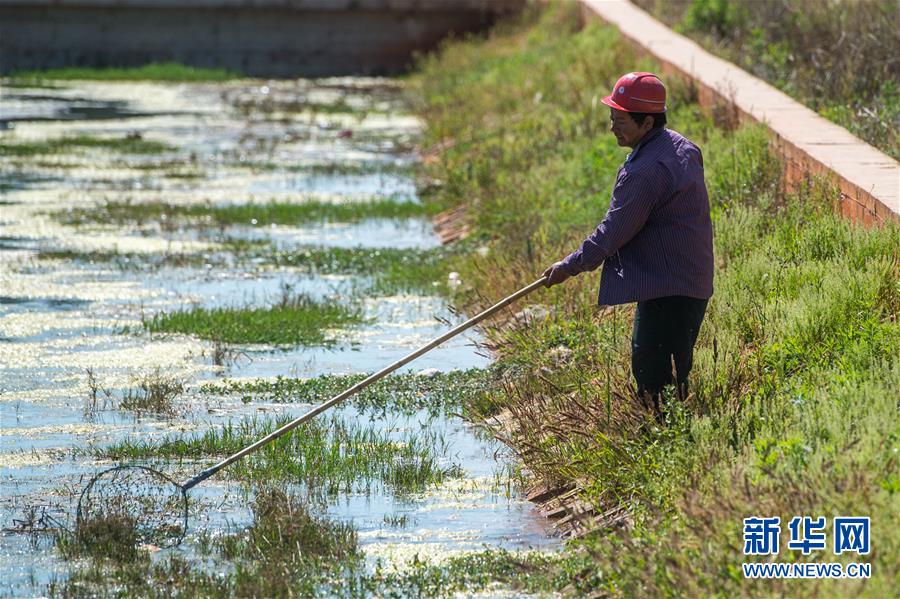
(384, 271)
(154, 393)
(113, 535)
(285, 532)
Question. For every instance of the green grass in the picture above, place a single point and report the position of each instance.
(134, 260)
(300, 105)
(280, 213)
(284, 531)
(386, 271)
(166, 71)
(403, 393)
(381, 271)
(837, 58)
(153, 393)
(330, 456)
(796, 365)
(125, 145)
(114, 536)
(295, 321)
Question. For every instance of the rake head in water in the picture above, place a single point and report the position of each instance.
(154, 504)
(156, 507)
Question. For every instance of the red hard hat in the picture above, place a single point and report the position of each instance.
(638, 92)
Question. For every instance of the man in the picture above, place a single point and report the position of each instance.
(655, 242)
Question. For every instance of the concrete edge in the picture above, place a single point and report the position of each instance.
(809, 145)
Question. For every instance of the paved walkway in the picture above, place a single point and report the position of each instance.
(869, 180)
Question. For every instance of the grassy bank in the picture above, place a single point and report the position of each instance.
(793, 408)
(838, 58)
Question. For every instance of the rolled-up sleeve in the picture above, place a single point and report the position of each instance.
(633, 198)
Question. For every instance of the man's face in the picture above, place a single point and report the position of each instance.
(627, 132)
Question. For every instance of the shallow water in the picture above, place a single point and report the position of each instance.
(59, 318)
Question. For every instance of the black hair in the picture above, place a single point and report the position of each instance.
(659, 118)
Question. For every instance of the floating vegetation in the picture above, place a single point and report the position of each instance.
(330, 456)
(332, 169)
(158, 71)
(132, 260)
(298, 320)
(406, 393)
(391, 270)
(277, 213)
(387, 270)
(129, 144)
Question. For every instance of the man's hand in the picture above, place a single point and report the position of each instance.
(556, 274)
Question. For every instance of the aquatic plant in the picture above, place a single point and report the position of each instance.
(404, 393)
(389, 270)
(385, 271)
(163, 71)
(224, 354)
(128, 144)
(252, 214)
(330, 455)
(285, 551)
(98, 398)
(284, 531)
(111, 536)
(298, 321)
(153, 393)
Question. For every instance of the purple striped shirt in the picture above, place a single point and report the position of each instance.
(656, 238)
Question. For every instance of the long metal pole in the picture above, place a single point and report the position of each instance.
(364, 383)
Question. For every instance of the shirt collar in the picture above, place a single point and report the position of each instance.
(651, 134)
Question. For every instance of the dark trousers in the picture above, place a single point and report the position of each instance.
(665, 330)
